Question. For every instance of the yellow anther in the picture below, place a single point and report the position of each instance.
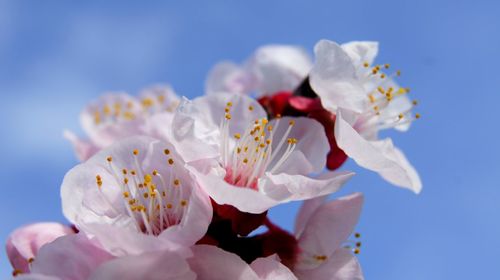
(366, 64)
(250, 108)
(109, 159)
(177, 182)
(161, 98)
(238, 150)
(97, 117)
(228, 116)
(184, 202)
(136, 152)
(140, 186)
(376, 108)
(31, 260)
(387, 65)
(292, 122)
(132, 172)
(155, 172)
(400, 116)
(398, 73)
(358, 244)
(147, 102)
(237, 135)
(16, 272)
(357, 251)
(262, 145)
(129, 115)
(124, 171)
(245, 160)
(163, 193)
(125, 180)
(229, 104)
(374, 71)
(265, 121)
(146, 195)
(131, 202)
(417, 116)
(381, 90)
(256, 139)
(169, 205)
(106, 110)
(407, 89)
(166, 151)
(414, 102)
(320, 258)
(170, 161)
(372, 98)
(268, 141)
(226, 110)
(126, 194)
(357, 235)
(382, 76)
(148, 178)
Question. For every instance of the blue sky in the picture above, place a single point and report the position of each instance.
(56, 56)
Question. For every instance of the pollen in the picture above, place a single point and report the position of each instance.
(237, 135)
(136, 152)
(148, 178)
(126, 194)
(228, 116)
(229, 104)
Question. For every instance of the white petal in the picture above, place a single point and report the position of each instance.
(361, 51)
(333, 78)
(69, 257)
(379, 156)
(245, 199)
(339, 216)
(229, 78)
(307, 208)
(301, 187)
(212, 263)
(152, 266)
(270, 268)
(342, 265)
(312, 144)
(279, 68)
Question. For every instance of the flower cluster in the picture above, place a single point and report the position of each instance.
(172, 188)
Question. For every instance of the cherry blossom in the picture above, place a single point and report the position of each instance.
(136, 196)
(259, 163)
(24, 243)
(343, 78)
(114, 116)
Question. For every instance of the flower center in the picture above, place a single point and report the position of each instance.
(127, 110)
(247, 156)
(155, 200)
(385, 109)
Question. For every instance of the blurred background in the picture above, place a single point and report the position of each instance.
(55, 56)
